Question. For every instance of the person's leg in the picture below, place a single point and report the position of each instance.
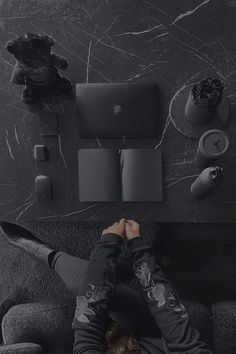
(25, 240)
(70, 269)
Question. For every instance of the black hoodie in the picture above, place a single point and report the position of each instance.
(99, 284)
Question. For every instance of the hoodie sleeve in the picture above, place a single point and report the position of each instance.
(92, 303)
(163, 301)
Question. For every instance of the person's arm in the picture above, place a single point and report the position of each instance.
(163, 301)
(59, 61)
(92, 303)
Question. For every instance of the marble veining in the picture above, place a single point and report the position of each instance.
(172, 43)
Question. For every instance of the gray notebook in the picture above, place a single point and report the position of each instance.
(130, 175)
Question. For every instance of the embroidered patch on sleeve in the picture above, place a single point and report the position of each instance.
(164, 294)
(160, 292)
(86, 305)
(96, 296)
(82, 309)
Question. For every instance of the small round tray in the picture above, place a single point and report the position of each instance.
(187, 128)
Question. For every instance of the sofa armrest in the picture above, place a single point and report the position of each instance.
(224, 327)
(21, 348)
(48, 325)
(200, 318)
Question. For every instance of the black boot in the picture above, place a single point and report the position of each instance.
(24, 239)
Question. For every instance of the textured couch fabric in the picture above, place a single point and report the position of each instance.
(224, 326)
(4, 308)
(50, 326)
(21, 348)
(44, 324)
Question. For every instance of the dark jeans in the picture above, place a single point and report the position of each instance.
(124, 303)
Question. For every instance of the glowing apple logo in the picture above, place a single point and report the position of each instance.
(117, 109)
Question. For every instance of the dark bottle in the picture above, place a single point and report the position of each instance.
(207, 181)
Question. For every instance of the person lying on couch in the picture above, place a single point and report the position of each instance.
(99, 324)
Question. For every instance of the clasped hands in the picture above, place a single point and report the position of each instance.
(122, 228)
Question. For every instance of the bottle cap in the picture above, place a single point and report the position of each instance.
(214, 143)
(216, 173)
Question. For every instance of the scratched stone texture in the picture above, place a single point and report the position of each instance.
(171, 42)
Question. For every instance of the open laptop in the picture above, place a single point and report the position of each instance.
(118, 109)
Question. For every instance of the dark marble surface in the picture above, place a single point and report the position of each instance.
(171, 42)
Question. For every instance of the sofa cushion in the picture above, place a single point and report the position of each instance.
(198, 271)
(224, 327)
(200, 318)
(4, 307)
(50, 325)
(21, 348)
(44, 324)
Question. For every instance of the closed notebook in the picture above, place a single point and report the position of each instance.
(130, 175)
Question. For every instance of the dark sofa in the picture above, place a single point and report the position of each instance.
(199, 259)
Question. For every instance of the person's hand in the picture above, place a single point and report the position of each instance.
(117, 228)
(132, 229)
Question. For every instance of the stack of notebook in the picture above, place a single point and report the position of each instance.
(130, 175)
